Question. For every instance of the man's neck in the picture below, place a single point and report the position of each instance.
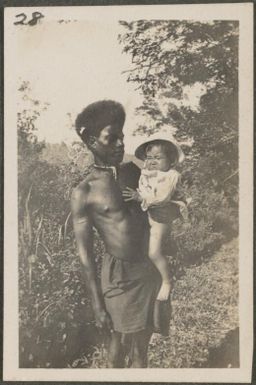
(104, 166)
(100, 163)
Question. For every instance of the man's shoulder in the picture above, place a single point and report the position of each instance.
(81, 191)
(129, 174)
(130, 167)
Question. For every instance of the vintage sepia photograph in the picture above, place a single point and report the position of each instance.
(128, 193)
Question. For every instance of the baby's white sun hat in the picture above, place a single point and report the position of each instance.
(163, 136)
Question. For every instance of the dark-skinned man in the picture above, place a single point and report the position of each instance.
(123, 302)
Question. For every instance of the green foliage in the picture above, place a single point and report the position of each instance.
(170, 59)
(178, 55)
(56, 321)
(171, 54)
(56, 153)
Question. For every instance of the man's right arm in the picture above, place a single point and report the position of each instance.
(84, 238)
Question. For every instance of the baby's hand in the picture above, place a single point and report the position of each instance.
(164, 292)
(131, 195)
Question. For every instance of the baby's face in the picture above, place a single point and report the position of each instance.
(157, 159)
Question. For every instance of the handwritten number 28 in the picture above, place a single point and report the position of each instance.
(36, 16)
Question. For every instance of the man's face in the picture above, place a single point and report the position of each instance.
(109, 146)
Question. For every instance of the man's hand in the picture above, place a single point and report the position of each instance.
(131, 195)
(164, 291)
(103, 320)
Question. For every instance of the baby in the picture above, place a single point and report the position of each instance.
(159, 196)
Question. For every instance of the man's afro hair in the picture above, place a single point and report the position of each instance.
(98, 115)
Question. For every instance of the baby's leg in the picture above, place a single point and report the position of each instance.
(158, 233)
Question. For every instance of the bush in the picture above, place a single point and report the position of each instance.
(212, 221)
(56, 319)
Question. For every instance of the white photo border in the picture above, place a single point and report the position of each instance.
(242, 12)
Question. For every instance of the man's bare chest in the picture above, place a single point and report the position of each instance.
(106, 196)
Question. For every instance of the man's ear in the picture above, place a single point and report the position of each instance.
(92, 141)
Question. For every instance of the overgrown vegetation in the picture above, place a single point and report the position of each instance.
(56, 321)
(204, 310)
(188, 75)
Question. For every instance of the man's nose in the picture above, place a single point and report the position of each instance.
(120, 142)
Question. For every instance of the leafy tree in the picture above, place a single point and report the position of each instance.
(170, 58)
(187, 72)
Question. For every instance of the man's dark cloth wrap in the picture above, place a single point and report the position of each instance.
(130, 289)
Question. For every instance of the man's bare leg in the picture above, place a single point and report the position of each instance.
(140, 348)
(116, 353)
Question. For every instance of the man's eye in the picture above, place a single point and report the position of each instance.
(112, 139)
